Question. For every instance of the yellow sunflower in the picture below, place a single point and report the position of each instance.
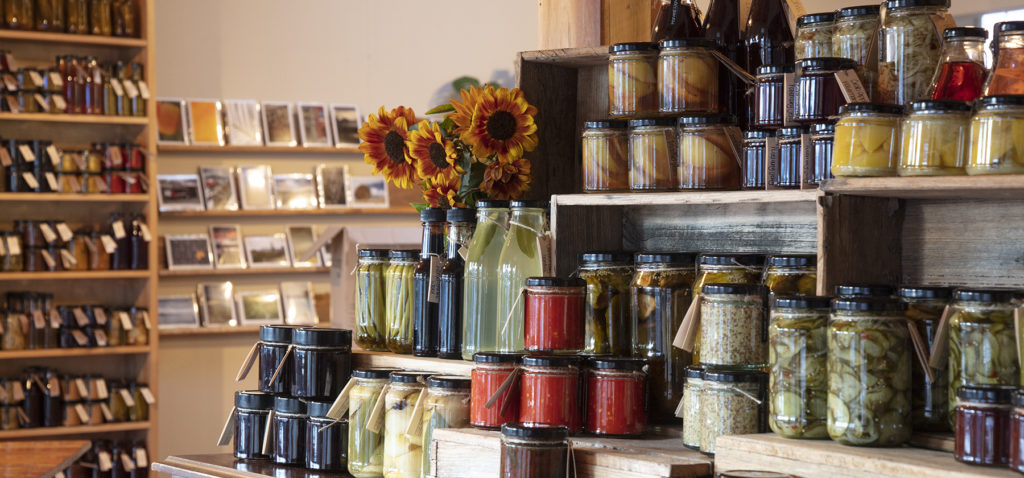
(434, 154)
(502, 124)
(443, 186)
(506, 180)
(463, 115)
(384, 147)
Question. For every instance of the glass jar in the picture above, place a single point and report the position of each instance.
(708, 157)
(924, 307)
(520, 258)
(288, 430)
(490, 370)
(1007, 77)
(398, 299)
(402, 453)
(139, 335)
(365, 447)
(323, 362)
(692, 417)
(1016, 460)
(817, 94)
(814, 35)
(732, 402)
(866, 140)
(767, 36)
(675, 20)
(733, 326)
(791, 275)
(997, 136)
(961, 72)
(934, 138)
(446, 405)
(822, 140)
(983, 425)
(326, 447)
(868, 350)
(139, 412)
(797, 375)
(275, 340)
(100, 17)
(784, 172)
(853, 37)
(616, 397)
(553, 315)
(607, 314)
(533, 452)
(461, 222)
(425, 307)
(481, 281)
(15, 336)
(605, 156)
(660, 295)
(909, 47)
(370, 299)
(653, 154)
(253, 412)
(756, 151)
(687, 76)
(632, 79)
(551, 392)
(770, 96)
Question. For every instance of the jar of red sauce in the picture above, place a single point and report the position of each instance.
(616, 396)
(1017, 432)
(553, 314)
(983, 424)
(550, 393)
(490, 371)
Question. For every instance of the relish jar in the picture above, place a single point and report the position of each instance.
(733, 326)
(323, 362)
(371, 326)
(983, 425)
(687, 76)
(653, 154)
(795, 274)
(616, 396)
(866, 140)
(275, 340)
(607, 314)
(1016, 432)
(853, 37)
(288, 430)
(798, 360)
(445, 405)
(365, 447)
(784, 171)
(769, 96)
(632, 79)
(909, 45)
(490, 370)
(605, 156)
(398, 299)
(930, 403)
(822, 140)
(326, 447)
(252, 410)
(814, 35)
(758, 146)
(553, 314)
(934, 139)
(533, 452)
(997, 146)
(732, 402)
(551, 392)
(708, 158)
(728, 268)
(817, 93)
(402, 453)
(690, 404)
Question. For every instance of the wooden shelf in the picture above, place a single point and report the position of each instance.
(73, 275)
(568, 57)
(7, 36)
(199, 331)
(174, 148)
(75, 198)
(74, 352)
(292, 212)
(100, 120)
(1009, 186)
(252, 271)
(685, 197)
(363, 358)
(74, 431)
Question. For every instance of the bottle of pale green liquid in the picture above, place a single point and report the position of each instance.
(480, 284)
(520, 258)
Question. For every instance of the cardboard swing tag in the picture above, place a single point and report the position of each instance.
(36, 78)
(250, 358)
(686, 337)
(544, 246)
(376, 419)
(108, 243)
(54, 155)
(130, 89)
(23, 322)
(115, 84)
(1016, 335)
(101, 390)
(55, 321)
(68, 259)
(126, 320)
(83, 391)
(141, 458)
(59, 103)
(18, 390)
(5, 157)
(26, 153)
(788, 98)
(101, 184)
(80, 338)
(464, 252)
(43, 104)
(50, 261)
(129, 401)
(64, 231)
(101, 315)
(853, 90)
(74, 184)
(280, 366)
(10, 82)
(12, 104)
(79, 160)
(38, 321)
(105, 461)
(13, 245)
(108, 416)
(806, 159)
(920, 349)
(3, 395)
(22, 417)
(502, 388)
(118, 229)
(940, 344)
(144, 229)
(126, 462)
(56, 80)
(736, 70)
(143, 90)
(145, 319)
(83, 416)
(340, 405)
(30, 180)
(266, 434)
(415, 426)
(9, 59)
(48, 234)
(434, 284)
(101, 338)
(1, 327)
(80, 318)
(3, 248)
(229, 428)
(147, 395)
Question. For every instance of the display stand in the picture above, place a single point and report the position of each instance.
(226, 466)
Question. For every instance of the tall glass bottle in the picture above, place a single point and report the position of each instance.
(520, 258)
(425, 307)
(117, 83)
(1007, 77)
(676, 20)
(449, 322)
(480, 281)
(93, 87)
(76, 80)
(137, 104)
(767, 39)
(961, 72)
(722, 25)
(109, 97)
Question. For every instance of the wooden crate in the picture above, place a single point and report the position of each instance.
(583, 23)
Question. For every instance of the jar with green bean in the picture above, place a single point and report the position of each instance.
(365, 448)
(371, 299)
(798, 358)
(791, 274)
(446, 405)
(607, 318)
(402, 452)
(733, 326)
(398, 300)
(930, 403)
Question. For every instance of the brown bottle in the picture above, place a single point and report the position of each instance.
(676, 20)
(722, 25)
(767, 39)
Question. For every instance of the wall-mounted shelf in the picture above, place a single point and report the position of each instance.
(73, 275)
(685, 197)
(168, 148)
(203, 331)
(1010, 186)
(384, 211)
(252, 271)
(362, 358)
(74, 431)
(8, 36)
(74, 352)
(8, 198)
(100, 120)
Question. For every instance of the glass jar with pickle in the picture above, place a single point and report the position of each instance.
(866, 140)
(632, 79)
(924, 307)
(370, 299)
(854, 37)
(814, 35)
(402, 453)
(480, 282)
(933, 138)
(365, 447)
(798, 360)
(708, 157)
(398, 299)
(997, 136)
(733, 326)
(446, 405)
(605, 156)
(1007, 76)
(607, 314)
(791, 275)
(520, 258)
(732, 402)
(728, 268)
(687, 76)
(653, 154)
(909, 44)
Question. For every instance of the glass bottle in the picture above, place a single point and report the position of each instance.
(99, 17)
(78, 17)
(1007, 76)
(961, 72)
(480, 282)
(424, 306)
(722, 25)
(137, 104)
(449, 322)
(94, 87)
(117, 84)
(139, 245)
(676, 20)
(77, 75)
(520, 258)
(909, 42)
(767, 39)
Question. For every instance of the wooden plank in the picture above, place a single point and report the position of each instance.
(84, 430)
(383, 211)
(46, 118)
(229, 149)
(1003, 186)
(599, 227)
(858, 241)
(73, 275)
(39, 458)
(568, 57)
(568, 23)
(934, 441)
(552, 89)
(626, 20)
(257, 271)
(362, 358)
(253, 330)
(688, 197)
(69, 39)
(74, 352)
(10, 198)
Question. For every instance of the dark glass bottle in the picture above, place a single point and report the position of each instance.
(676, 20)
(461, 223)
(137, 104)
(140, 246)
(722, 25)
(120, 259)
(76, 80)
(93, 87)
(424, 310)
(121, 109)
(767, 39)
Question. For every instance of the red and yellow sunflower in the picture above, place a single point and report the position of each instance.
(506, 179)
(463, 115)
(502, 124)
(443, 187)
(384, 146)
(434, 154)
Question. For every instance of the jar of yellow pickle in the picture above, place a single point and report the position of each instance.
(632, 79)
(652, 154)
(866, 140)
(933, 138)
(708, 158)
(791, 275)
(687, 76)
(605, 156)
(997, 136)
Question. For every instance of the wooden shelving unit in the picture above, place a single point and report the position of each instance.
(83, 430)
(254, 330)
(96, 120)
(58, 198)
(931, 187)
(70, 40)
(74, 275)
(252, 271)
(321, 150)
(74, 352)
(362, 358)
(383, 211)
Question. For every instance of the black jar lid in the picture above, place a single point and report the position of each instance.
(555, 282)
(496, 357)
(491, 204)
(448, 381)
(281, 334)
(794, 260)
(529, 204)
(732, 289)
(685, 258)
(802, 302)
(992, 394)
(758, 134)
(322, 337)
(706, 119)
(1000, 100)
(607, 256)
(285, 404)
(734, 376)
(617, 363)
(939, 105)
(812, 18)
(373, 372)
(866, 304)
(858, 11)
(688, 42)
(461, 214)
(1010, 26)
(633, 46)
(791, 132)
(775, 69)
(964, 32)
(404, 254)
(920, 292)
(551, 360)
(731, 260)
(432, 214)
(825, 63)
(751, 474)
(864, 290)
(1018, 398)
(319, 409)
(984, 295)
(694, 371)
(254, 400)
(519, 430)
(823, 128)
(667, 121)
(890, 4)
(405, 376)
(880, 108)
(603, 124)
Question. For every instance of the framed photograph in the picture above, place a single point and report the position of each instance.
(367, 191)
(259, 307)
(179, 192)
(314, 125)
(255, 187)
(300, 240)
(346, 125)
(178, 312)
(297, 301)
(206, 128)
(188, 251)
(219, 192)
(244, 127)
(267, 251)
(330, 185)
(217, 303)
(227, 246)
(277, 123)
(295, 191)
(170, 121)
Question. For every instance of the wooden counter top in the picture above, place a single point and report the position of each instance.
(39, 458)
(225, 465)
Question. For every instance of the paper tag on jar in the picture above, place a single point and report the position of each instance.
(280, 366)
(115, 84)
(143, 90)
(376, 419)
(544, 246)
(920, 349)
(108, 244)
(940, 344)
(23, 322)
(13, 245)
(141, 458)
(48, 259)
(18, 391)
(129, 401)
(126, 320)
(59, 103)
(12, 104)
(100, 314)
(54, 155)
(80, 338)
(38, 320)
(80, 318)
(737, 70)
(340, 405)
(126, 462)
(73, 183)
(55, 321)
(101, 338)
(10, 82)
(806, 159)
(464, 252)
(9, 59)
(147, 395)
(30, 180)
(48, 233)
(130, 89)
(101, 389)
(108, 416)
(434, 284)
(266, 433)
(689, 329)
(144, 229)
(65, 232)
(415, 425)
(735, 136)
(105, 462)
(51, 180)
(26, 153)
(43, 105)
(118, 228)
(83, 391)
(36, 78)
(788, 98)
(3, 395)
(3, 247)
(1016, 335)
(83, 416)
(55, 80)
(68, 259)
(853, 90)
(145, 319)
(5, 157)
(250, 359)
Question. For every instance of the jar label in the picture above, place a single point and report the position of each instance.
(18, 390)
(3, 395)
(101, 315)
(48, 233)
(376, 419)
(853, 90)
(115, 84)
(920, 349)
(42, 102)
(434, 283)
(65, 232)
(143, 90)
(544, 246)
(415, 425)
(145, 319)
(101, 184)
(26, 153)
(147, 395)
(101, 338)
(55, 320)
(118, 228)
(126, 320)
(48, 259)
(107, 414)
(83, 391)
(3, 251)
(250, 359)
(940, 344)
(5, 157)
(79, 160)
(788, 98)
(75, 185)
(1016, 335)
(129, 401)
(12, 104)
(59, 103)
(101, 389)
(30, 180)
(130, 88)
(280, 366)
(464, 252)
(80, 338)
(9, 59)
(340, 405)
(13, 245)
(105, 462)
(38, 320)
(141, 458)
(80, 317)
(689, 329)
(806, 159)
(108, 243)
(51, 180)
(126, 462)
(500, 391)
(229, 428)
(83, 416)
(68, 259)
(54, 155)
(144, 230)
(266, 434)
(36, 78)
(55, 80)
(736, 70)
(10, 82)
(23, 321)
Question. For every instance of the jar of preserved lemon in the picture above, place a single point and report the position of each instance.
(687, 76)
(933, 138)
(632, 80)
(866, 140)
(652, 154)
(997, 136)
(605, 156)
(708, 158)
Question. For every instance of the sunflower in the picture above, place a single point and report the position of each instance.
(444, 186)
(384, 147)
(506, 179)
(434, 154)
(502, 124)
(463, 115)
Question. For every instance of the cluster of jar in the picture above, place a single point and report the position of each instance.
(85, 17)
(39, 166)
(75, 85)
(43, 397)
(31, 321)
(40, 246)
(123, 458)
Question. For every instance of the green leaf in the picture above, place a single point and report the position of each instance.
(465, 83)
(445, 108)
(447, 125)
(471, 181)
(419, 206)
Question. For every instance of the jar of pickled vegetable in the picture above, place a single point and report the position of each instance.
(481, 284)
(398, 299)
(817, 94)
(632, 79)
(325, 439)
(606, 315)
(15, 336)
(798, 358)
(660, 295)
(732, 403)
(288, 430)
(616, 396)
(1007, 76)
(708, 157)
(997, 136)
(687, 76)
(533, 452)
(402, 453)
(784, 170)
(553, 314)
(910, 42)
(853, 37)
(551, 392)
(365, 447)
(275, 340)
(733, 326)
(253, 412)
(653, 154)
(769, 96)
(814, 35)
(983, 425)
(934, 138)
(605, 156)
(520, 258)
(866, 140)
(868, 372)
(924, 307)
(323, 362)
(446, 405)
(371, 325)
(692, 417)
(728, 268)
(490, 371)
(758, 147)
(791, 275)
(1016, 432)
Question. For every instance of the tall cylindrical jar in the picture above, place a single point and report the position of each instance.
(798, 362)
(461, 221)
(855, 37)
(934, 138)
(732, 402)
(365, 447)
(791, 274)
(687, 76)
(929, 399)
(607, 314)
(605, 145)
(323, 362)
(425, 301)
(398, 299)
(533, 452)
(653, 154)
(733, 326)
(996, 128)
(909, 45)
(481, 280)
(632, 79)
(371, 327)
(446, 405)
(275, 340)
(520, 258)
(402, 453)
(326, 447)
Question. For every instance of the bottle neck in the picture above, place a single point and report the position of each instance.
(433, 239)
(459, 235)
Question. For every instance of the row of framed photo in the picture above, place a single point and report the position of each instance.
(226, 248)
(220, 305)
(212, 122)
(257, 188)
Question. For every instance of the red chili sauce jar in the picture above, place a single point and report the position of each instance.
(553, 314)
(983, 425)
(490, 372)
(551, 392)
(616, 396)
(1017, 432)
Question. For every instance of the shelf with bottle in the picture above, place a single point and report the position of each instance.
(110, 18)
(39, 166)
(74, 431)
(74, 352)
(35, 248)
(230, 149)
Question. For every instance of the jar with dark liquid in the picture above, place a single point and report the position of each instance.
(323, 362)
(253, 411)
(274, 343)
(767, 38)
(676, 20)
(425, 308)
(288, 430)
(326, 439)
(983, 424)
(461, 224)
(785, 173)
(722, 25)
(769, 96)
(139, 245)
(1016, 432)
(818, 96)
(755, 155)
(533, 452)
(822, 139)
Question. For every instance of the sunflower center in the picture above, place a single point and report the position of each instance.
(438, 156)
(501, 125)
(394, 146)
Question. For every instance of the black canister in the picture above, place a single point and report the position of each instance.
(274, 343)
(326, 439)
(323, 362)
(252, 410)
(289, 431)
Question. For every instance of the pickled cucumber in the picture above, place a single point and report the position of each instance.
(797, 378)
(607, 311)
(982, 350)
